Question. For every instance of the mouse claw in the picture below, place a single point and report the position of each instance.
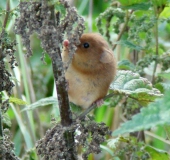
(99, 102)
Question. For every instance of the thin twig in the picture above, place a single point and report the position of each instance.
(108, 24)
(123, 28)
(7, 13)
(157, 137)
(81, 116)
(1, 127)
(90, 15)
(157, 50)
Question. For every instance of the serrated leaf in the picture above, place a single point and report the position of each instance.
(17, 101)
(156, 113)
(113, 143)
(42, 102)
(139, 6)
(136, 87)
(129, 45)
(125, 65)
(157, 154)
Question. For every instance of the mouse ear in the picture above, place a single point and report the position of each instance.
(106, 56)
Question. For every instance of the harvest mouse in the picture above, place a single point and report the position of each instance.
(91, 71)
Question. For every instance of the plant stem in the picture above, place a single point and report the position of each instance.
(4, 26)
(157, 51)
(1, 127)
(157, 42)
(123, 28)
(58, 71)
(7, 13)
(107, 28)
(90, 15)
(65, 112)
(62, 96)
(28, 115)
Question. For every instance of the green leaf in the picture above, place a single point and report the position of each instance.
(131, 2)
(18, 142)
(17, 101)
(165, 85)
(141, 147)
(113, 143)
(107, 149)
(139, 6)
(167, 130)
(165, 75)
(157, 113)
(135, 87)
(24, 130)
(165, 13)
(160, 87)
(125, 65)
(157, 154)
(42, 102)
(159, 3)
(129, 45)
(6, 119)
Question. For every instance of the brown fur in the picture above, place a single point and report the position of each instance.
(91, 71)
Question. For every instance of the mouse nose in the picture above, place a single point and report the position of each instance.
(66, 43)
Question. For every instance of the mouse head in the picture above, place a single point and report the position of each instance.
(92, 52)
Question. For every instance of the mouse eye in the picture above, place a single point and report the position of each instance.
(86, 45)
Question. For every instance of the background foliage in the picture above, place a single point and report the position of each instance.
(138, 113)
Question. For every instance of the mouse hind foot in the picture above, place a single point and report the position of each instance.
(99, 102)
